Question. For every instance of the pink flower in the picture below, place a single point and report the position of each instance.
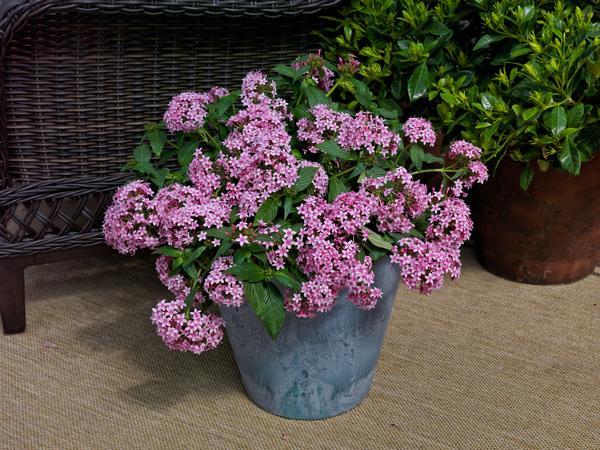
(187, 111)
(131, 222)
(196, 334)
(464, 149)
(222, 287)
(319, 73)
(203, 175)
(419, 130)
(478, 173)
(348, 66)
(424, 264)
(256, 88)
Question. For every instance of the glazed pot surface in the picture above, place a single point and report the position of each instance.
(315, 368)
(549, 234)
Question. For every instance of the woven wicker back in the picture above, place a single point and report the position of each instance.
(80, 78)
(79, 87)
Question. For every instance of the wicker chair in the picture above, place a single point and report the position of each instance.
(80, 78)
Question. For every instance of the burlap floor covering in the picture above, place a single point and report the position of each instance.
(484, 363)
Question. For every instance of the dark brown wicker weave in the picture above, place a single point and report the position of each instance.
(80, 78)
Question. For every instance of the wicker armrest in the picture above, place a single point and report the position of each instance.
(39, 216)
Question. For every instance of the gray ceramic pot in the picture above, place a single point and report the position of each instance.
(316, 368)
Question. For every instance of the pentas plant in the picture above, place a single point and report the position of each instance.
(250, 197)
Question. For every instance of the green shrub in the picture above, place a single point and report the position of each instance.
(516, 78)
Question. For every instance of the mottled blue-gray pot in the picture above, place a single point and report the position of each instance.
(316, 368)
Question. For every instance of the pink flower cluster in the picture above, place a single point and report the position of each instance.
(348, 66)
(204, 174)
(468, 155)
(131, 222)
(464, 149)
(424, 264)
(185, 210)
(401, 200)
(222, 287)
(319, 73)
(258, 159)
(361, 132)
(187, 111)
(256, 88)
(231, 179)
(196, 334)
(419, 130)
(329, 255)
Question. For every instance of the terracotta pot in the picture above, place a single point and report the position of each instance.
(549, 234)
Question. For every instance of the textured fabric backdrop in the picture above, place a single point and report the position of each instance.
(485, 363)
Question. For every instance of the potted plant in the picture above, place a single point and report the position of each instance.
(296, 219)
(537, 123)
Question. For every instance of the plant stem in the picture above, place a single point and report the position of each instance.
(344, 172)
(441, 170)
(337, 83)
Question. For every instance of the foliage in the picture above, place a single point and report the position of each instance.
(517, 78)
(542, 105)
(405, 46)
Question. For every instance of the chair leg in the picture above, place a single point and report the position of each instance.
(12, 295)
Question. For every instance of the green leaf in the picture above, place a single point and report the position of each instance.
(417, 155)
(570, 158)
(193, 255)
(487, 39)
(267, 211)
(397, 87)
(305, 178)
(378, 241)
(574, 115)
(362, 93)
(360, 168)
(429, 159)
(316, 96)
(189, 299)
(530, 113)
(224, 103)
(247, 271)
(376, 172)
(333, 149)
(419, 82)
(159, 177)
(191, 271)
(145, 168)
(220, 233)
(267, 303)
(543, 165)
(142, 153)
(285, 71)
(286, 279)
(224, 247)
(556, 120)
(449, 98)
(186, 153)
(526, 177)
(287, 207)
(336, 187)
(167, 251)
(157, 140)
